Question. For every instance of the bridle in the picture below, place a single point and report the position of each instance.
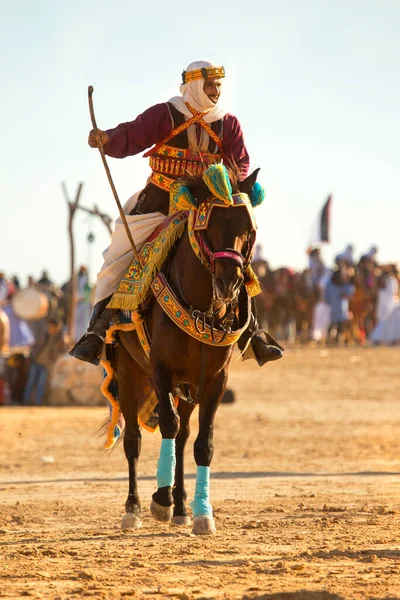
(226, 255)
(198, 224)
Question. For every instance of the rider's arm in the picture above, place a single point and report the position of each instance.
(234, 149)
(147, 129)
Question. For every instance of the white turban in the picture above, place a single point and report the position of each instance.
(192, 93)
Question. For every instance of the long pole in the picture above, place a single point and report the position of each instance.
(110, 180)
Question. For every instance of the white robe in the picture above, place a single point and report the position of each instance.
(119, 254)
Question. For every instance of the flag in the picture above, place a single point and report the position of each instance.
(321, 229)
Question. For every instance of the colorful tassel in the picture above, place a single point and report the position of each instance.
(252, 285)
(180, 198)
(217, 180)
(257, 195)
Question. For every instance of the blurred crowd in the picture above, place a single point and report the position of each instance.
(33, 333)
(351, 301)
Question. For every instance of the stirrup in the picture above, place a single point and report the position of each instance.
(248, 351)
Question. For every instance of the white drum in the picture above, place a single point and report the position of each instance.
(30, 304)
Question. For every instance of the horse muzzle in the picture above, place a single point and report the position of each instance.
(227, 269)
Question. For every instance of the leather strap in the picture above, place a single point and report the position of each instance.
(196, 118)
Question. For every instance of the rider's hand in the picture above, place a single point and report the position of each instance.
(92, 141)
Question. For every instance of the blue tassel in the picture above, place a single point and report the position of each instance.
(257, 194)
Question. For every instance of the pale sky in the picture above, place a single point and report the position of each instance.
(315, 85)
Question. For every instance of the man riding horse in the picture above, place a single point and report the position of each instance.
(188, 134)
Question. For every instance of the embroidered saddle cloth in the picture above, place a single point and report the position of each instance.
(134, 287)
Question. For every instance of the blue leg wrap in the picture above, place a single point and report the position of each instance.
(201, 504)
(166, 464)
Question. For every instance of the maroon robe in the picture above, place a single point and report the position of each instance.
(152, 127)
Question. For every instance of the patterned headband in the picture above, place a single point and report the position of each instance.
(212, 72)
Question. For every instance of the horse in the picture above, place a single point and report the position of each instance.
(210, 285)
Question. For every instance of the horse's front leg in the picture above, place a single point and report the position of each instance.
(203, 453)
(179, 493)
(161, 506)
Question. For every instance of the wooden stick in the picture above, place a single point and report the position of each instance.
(103, 156)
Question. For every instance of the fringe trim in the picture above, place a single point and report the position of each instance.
(156, 428)
(110, 337)
(132, 302)
(253, 286)
(116, 411)
(146, 427)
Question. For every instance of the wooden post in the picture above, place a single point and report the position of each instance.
(72, 206)
(96, 213)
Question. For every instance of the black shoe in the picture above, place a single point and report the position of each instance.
(88, 348)
(265, 352)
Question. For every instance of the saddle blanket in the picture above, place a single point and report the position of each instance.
(134, 287)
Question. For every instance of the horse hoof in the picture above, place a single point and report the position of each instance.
(181, 521)
(204, 526)
(131, 521)
(161, 513)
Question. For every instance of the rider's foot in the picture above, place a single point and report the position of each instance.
(265, 352)
(88, 349)
(90, 346)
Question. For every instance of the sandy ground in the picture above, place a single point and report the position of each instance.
(305, 487)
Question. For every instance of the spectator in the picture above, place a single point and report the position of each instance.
(387, 330)
(84, 307)
(346, 257)
(316, 266)
(4, 331)
(4, 288)
(44, 282)
(16, 282)
(337, 294)
(44, 355)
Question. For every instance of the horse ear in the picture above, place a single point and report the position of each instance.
(246, 186)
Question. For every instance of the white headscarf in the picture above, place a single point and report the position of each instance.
(192, 93)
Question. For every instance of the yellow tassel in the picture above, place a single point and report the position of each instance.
(253, 285)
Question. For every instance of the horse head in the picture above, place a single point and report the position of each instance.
(222, 228)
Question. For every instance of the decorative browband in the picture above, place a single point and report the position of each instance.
(186, 321)
(211, 73)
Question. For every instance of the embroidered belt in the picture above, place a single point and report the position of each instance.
(161, 181)
(184, 320)
(163, 169)
(178, 168)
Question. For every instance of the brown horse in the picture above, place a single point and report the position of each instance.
(213, 292)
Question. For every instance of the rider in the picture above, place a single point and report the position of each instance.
(190, 132)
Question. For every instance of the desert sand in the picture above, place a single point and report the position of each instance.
(305, 488)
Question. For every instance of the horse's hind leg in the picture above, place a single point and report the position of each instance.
(161, 506)
(129, 379)
(179, 493)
